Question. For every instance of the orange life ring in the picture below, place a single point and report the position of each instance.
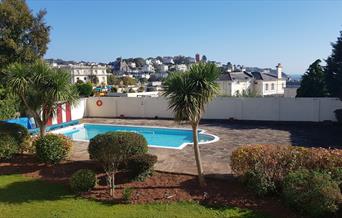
(99, 103)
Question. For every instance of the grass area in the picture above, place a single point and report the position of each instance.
(26, 197)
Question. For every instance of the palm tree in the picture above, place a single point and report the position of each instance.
(188, 93)
(40, 88)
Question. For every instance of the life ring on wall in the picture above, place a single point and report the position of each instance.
(99, 103)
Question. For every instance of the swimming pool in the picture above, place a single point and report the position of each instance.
(162, 137)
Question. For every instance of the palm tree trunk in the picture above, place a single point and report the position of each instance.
(42, 129)
(201, 179)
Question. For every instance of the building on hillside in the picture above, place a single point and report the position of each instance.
(235, 83)
(163, 68)
(148, 68)
(239, 83)
(168, 60)
(87, 73)
(181, 67)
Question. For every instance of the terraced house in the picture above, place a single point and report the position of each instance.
(94, 73)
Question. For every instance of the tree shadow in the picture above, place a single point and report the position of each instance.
(32, 190)
(307, 134)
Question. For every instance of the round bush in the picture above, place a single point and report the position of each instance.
(52, 148)
(8, 146)
(123, 144)
(19, 133)
(141, 165)
(311, 192)
(82, 180)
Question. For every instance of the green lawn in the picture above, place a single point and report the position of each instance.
(26, 197)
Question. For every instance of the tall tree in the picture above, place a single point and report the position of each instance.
(334, 69)
(313, 82)
(40, 89)
(188, 94)
(23, 36)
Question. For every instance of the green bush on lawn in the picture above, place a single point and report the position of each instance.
(82, 180)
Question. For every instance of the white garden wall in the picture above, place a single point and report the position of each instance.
(267, 109)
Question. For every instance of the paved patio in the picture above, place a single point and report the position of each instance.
(216, 156)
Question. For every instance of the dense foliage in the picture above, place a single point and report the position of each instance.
(141, 166)
(113, 149)
(82, 180)
(313, 82)
(263, 168)
(312, 192)
(112, 80)
(23, 36)
(8, 103)
(52, 148)
(40, 88)
(8, 146)
(19, 133)
(334, 69)
(84, 89)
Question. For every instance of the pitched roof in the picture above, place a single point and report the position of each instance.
(267, 76)
(239, 76)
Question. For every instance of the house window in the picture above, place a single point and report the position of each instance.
(266, 87)
(272, 86)
(85, 78)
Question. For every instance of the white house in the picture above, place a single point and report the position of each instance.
(148, 68)
(259, 83)
(235, 83)
(181, 67)
(87, 73)
(163, 68)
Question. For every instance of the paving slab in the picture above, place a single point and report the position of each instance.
(216, 156)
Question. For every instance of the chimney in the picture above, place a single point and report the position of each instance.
(197, 58)
(279, 70)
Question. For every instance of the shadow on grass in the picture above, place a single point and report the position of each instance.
(32, 190)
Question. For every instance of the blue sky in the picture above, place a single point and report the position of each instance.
(252, 33)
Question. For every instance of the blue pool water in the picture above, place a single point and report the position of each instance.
(157, 137)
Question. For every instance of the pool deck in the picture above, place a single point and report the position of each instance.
(216, 156)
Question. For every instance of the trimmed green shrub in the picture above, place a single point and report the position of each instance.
(131, 143)
(82, 180)
(52, 148)
(269, 164)
(140, 166)
(112, 150)
(19, 133)
(8, 146)
(312, 193)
